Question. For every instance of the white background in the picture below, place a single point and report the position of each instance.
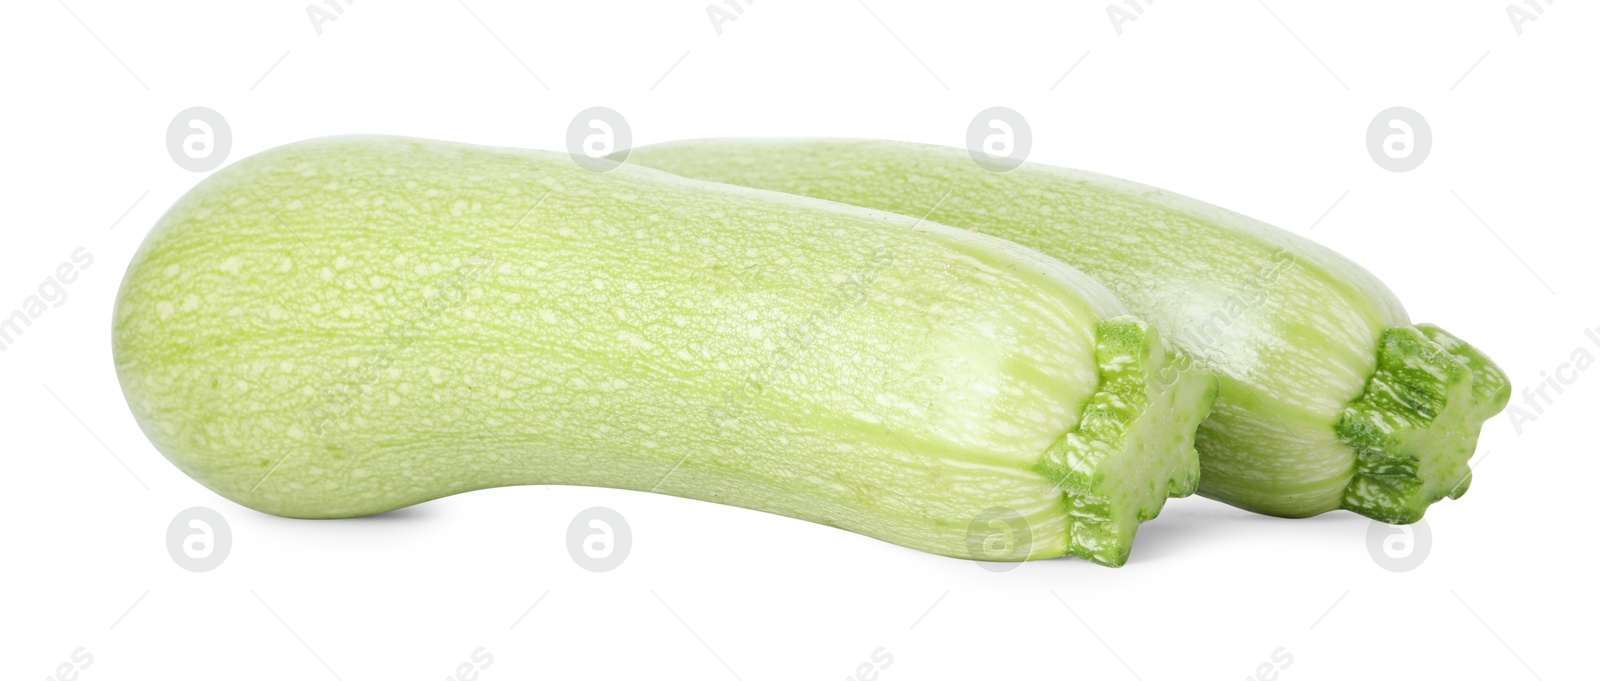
(1262, 108)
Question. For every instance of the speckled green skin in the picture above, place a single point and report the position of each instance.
(1309, 418)
(345, 326)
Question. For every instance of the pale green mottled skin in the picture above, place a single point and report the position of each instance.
(345, 326)
(1292, 328)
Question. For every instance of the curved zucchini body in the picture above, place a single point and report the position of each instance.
(345, 326)
(1330, 397)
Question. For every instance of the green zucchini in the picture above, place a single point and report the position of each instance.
(1331, 398)
(345, 326)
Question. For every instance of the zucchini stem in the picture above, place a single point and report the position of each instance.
(1416, 424)
(1134, 446)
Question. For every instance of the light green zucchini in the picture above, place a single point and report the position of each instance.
(1331, 398)
(346, 326)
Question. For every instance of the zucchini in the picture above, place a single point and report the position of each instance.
(345, 326)
(1331, 398)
